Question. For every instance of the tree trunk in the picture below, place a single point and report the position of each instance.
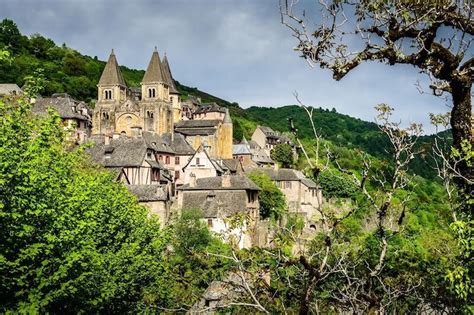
(461, 124)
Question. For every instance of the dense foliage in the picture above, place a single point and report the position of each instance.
(271, 199)
(282, 154)
(72, 238)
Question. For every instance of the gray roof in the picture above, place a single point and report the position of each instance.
(197, 123)
(157, 143)
(112, 74)
(197, 127)
(179, 144)
(253, 144)
(169, 76)
(216, 203)
(241, 149)
(149, 192)
(287, 174)
(154, 72)
(232, 165)
(237, 182)
(65, 105)
(121, 152)
(210, 107)
(267, 130)
(227, 119)
(9, 88)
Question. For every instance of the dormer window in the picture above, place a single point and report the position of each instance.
(108, 94)
(152, 93)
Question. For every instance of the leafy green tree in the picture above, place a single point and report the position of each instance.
(271, 199)
(72, 239)
(283, 154)
(336, 185)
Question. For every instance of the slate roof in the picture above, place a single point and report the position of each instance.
(197, 123)
(65, 105)
(267, 130)
(237, 182)
(169, 76)
(9, 88)
(287, 174)
(157, 143)
(216, 203)
(197, 127)
(149, 192)
(154, 72)
(232, 165)
(122, 152)
(112, 74)
(253, 145)
(241, 149)
(209, 107)
(179, 144)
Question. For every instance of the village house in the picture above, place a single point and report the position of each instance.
(134, 162)
(224, 199)
(75, 115)
(303, 196)
(251, 154)
(267, 138)
(211, 128)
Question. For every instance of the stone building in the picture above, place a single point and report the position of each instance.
(211, 127)
(267, 138)
(120, 110)
(135, 163)
(221, 199)
(75, 115)
(302, 195)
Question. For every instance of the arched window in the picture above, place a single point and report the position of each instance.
(151, 93)
(108, 94)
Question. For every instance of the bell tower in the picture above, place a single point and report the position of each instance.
(111, 86)
(154, 86)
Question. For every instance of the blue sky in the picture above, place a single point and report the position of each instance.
(237, 50)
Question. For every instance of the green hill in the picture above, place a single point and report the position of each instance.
(66, 70)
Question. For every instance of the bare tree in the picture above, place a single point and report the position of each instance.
(434, 36)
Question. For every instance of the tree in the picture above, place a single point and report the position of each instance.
(72, 238)
(282, 153)
(271, 199)
(433, 36)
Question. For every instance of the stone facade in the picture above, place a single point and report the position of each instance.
(120, 110)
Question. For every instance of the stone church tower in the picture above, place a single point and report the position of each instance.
(119, 110)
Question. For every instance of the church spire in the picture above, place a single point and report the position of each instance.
(168, 76)
(154, 72)
(112, 74)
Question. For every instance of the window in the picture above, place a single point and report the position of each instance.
(209, 222)
(197, 161)
(160, 157)
(155, 175)
(108, 94)
(167, 160)
(105, 115)
(288, 185)
(176, 175)
(176, 160)
(151, 93)
(149, 114)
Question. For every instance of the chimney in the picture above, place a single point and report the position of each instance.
(276, 167)
(192, 180)
(226, 181)
(106, 139)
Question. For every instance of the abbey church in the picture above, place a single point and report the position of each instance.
(120, 109)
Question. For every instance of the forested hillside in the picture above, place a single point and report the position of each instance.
(67, 70)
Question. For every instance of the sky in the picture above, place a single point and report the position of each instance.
(236, 50)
